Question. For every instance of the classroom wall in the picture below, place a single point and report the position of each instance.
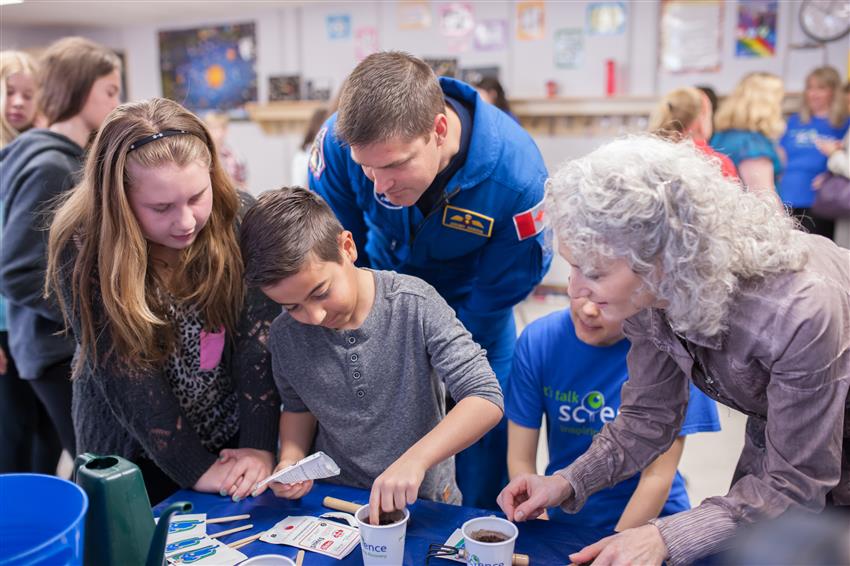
(292, 38)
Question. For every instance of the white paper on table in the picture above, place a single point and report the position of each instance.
(457, 541)
(186, 526)
(207, 552)
(313, 467)
(316, 535)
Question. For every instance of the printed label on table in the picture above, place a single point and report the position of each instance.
(316, 535)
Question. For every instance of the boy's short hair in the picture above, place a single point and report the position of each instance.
(389, 94)
(280, 231)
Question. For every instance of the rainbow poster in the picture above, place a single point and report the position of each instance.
(756, 32)
(211, 68)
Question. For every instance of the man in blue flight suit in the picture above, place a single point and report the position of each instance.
(434, 182)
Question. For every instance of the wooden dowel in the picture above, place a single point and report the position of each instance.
(231, 531)
(299, 558)
(227, 519)
(247, 540)
(341, 505)
(520, 560)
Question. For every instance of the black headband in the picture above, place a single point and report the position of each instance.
(153, 137)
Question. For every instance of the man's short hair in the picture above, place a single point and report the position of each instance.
(388, 95)
(281, 230)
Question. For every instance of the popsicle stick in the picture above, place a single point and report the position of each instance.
(227, 519)
(299, 558)
(247, 540)
(341, 505)
(231, 531)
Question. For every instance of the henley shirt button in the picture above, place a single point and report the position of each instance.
(361, 393)
(353, 357)
(352, 339)
(356, 375)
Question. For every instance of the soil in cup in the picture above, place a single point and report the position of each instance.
(385, 518)
(485, 535)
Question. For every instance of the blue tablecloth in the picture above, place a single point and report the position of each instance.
(547, 543)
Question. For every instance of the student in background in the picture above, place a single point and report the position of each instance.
(568, 368)
(172, 370)
(363, 358)
(685, 113)
(300, 170)
(80, 84)
(823, 118)
(747, 125)
(218, 124)
(490, 90)
(28, 440)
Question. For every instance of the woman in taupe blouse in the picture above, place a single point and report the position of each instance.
(717, 286)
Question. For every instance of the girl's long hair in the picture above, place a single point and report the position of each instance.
(111, 264)
(755, 105)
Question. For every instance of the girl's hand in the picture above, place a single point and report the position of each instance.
(210, 482)
(396, 488)
(290, 490)
(4, 362)
(528, 495)
(641, 545)
(249, 467)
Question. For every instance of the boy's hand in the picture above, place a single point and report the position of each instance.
(249, 466)
(528, 495)
(396, 488)
(290, 490)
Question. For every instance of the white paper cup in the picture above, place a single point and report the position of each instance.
(382, 545)
(268, 560)
(489, 553)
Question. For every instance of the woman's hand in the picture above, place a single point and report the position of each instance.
(290, 490)
(249, 467)
(641, 545)
(827, 146)
(396, 488)
(528, 495)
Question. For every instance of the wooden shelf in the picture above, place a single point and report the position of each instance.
(547, 116)
(284, 117)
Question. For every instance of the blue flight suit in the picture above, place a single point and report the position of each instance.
(482, 247)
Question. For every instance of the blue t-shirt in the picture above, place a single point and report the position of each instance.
(805, 160)
(741, 145)
(577, 387)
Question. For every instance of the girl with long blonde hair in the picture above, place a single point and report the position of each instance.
(821, 120)
(172, 371)
(686, 114)
(18, 90)
(747, 126)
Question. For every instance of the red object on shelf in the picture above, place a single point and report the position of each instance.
(551, 89)
(610, 77)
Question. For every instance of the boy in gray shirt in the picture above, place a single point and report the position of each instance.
(362, 358)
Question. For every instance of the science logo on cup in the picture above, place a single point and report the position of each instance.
(475, 561)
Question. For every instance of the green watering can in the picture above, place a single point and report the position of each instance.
(120, 530)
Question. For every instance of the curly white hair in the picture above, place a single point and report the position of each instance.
(687, 231)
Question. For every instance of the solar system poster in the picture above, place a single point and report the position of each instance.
(210, 68)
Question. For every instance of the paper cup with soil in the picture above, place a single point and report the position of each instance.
(489, 540)
(382, 544)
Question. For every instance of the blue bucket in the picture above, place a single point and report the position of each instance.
(41, 520)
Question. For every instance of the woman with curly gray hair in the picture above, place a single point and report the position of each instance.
(714, 285)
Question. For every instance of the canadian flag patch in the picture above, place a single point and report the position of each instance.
(529, 223)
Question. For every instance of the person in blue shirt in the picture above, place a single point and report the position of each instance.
(823, 118)
(569, 367)
(433, 183)
(746, 127)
